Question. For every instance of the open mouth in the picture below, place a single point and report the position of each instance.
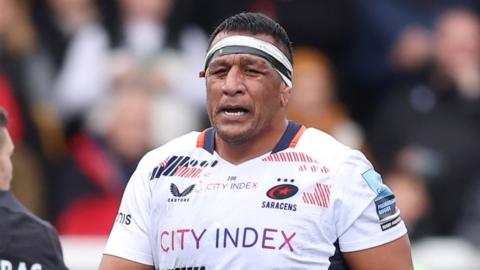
(234, 111)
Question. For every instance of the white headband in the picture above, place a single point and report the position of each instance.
(251, 45)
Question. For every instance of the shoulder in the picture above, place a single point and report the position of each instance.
(318, 137)
(34, 224)
(329, 151)
(19, 213)
(321, 145)
(29, 231)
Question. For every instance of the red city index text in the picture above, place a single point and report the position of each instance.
(266, 238)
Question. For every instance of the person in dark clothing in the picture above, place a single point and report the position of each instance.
(429, 130)
(26, 241)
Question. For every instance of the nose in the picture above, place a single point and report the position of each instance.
(234, 83)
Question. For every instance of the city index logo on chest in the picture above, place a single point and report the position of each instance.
(182, 166)
(222, 238)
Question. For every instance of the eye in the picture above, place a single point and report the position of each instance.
(253, 71)
(217, 71)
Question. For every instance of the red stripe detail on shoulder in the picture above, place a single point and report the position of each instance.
(295, 139)
(201, 139)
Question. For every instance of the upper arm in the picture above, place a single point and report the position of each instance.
(395, 255)
(366, 213)
(110, 262)
(371, 233)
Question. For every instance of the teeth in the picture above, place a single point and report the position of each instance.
(237, 113)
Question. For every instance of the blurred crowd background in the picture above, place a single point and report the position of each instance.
(91, 85)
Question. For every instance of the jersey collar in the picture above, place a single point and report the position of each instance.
(289, 139)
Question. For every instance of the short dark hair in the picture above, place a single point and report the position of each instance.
(3, 118)
(255, 23)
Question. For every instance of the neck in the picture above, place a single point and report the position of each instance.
(254, 147)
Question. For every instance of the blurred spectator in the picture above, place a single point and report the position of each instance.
(16, 44)
(90, 184)
(314, 102)
(391, 43)
(168, 50)
(69, 71)
(457, 52)
(144, 26)
(171, 115)
(430, 128)
(17, 38)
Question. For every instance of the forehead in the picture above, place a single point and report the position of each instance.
(243, 59)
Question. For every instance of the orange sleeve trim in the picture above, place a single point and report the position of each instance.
(201, 139)
(295, 139)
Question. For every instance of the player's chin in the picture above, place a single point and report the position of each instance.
(233, 134)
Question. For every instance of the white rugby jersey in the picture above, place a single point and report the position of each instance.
(297, 207)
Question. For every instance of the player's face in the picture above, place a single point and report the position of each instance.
(244, 95)
(6, 151)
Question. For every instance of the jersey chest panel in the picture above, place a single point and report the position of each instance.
(209, 213)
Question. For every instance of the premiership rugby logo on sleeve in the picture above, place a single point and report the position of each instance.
(385, 203)
(385, 206)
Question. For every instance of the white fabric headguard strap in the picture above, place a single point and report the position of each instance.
(250, 45)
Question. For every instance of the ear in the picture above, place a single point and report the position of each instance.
(285, 95)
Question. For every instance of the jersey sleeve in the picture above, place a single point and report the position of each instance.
(129, 238)
(368, 215)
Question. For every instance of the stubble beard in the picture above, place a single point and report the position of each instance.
(233, 138)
